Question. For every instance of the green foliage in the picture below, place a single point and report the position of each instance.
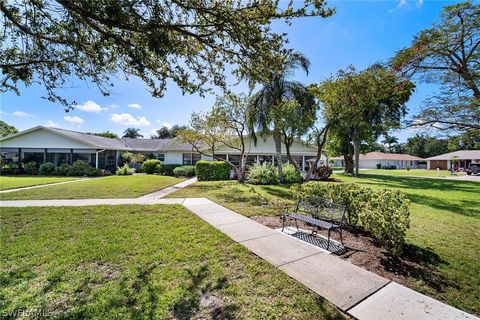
(30, 168)
(168, 133)
(80, 168)
(150, 156)
(132, 133)
(127, 157)
(291, 174)
(125, 170)
(106, 134)
(212, 170)
(184, 171)
(151, 166)
(167, 169)
(379, 166)
(6, 129)
(447, 55)
(262, 174)
(46, 169)
(189, 43)
(63, 170)
(384, 213)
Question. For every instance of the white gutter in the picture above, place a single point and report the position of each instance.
(96, 157)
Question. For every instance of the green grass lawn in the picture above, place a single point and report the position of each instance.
(106, 187)
(445, 226)
(411, 172)
(12, 182)
(139, 262)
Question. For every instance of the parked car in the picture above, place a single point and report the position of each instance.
(473, 168)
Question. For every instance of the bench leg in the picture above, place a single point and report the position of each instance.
(283, 222)
(328, 242)
(341, 236)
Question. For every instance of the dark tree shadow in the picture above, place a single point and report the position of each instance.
(421, 264)
(200, 297)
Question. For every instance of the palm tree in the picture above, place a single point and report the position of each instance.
(133, 133)
(390, 141)
(263, 111)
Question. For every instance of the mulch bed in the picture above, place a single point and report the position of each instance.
(362, 250)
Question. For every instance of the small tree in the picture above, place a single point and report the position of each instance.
(225, 124)
(132, 133)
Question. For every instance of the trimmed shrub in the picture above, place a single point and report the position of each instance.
(63, 170)
(46, 169)
(184, 171)
(80, 168)
(30, 168)
(212, 170)
(291, 174)
(379, 166)
(94, 172)
(125, 170)
(383, 213)
(167, 169)
(262, 174)
(151, 166)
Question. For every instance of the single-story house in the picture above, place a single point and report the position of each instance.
(462, 159)
(370, 160)
(46, 144)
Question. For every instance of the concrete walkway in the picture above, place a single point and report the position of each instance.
(43, 185)
(357, 292)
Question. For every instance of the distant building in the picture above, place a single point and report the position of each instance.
(371, 160)
(462, 159)
(45, 144)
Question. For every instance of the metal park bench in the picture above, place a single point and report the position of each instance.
(319, 213)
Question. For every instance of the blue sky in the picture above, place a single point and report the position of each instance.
(360, 33)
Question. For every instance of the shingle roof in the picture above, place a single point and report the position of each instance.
(460, 155)
(114, 143)
(385, 156)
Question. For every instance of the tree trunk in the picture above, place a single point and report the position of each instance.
(356, 149)
(241, 169)
(288, 142)
(278, 152)
(348, 157)
(320, 143)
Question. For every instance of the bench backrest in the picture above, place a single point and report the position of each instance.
(322, 209)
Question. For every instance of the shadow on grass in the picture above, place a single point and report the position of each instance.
(199, 297)
(469, 208)
(420, 264)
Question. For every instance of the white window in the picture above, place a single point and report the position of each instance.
(161, 157)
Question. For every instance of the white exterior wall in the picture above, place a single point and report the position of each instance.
(43, 139)
(267, 146)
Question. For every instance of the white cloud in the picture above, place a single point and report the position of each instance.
(51, 123)
(19, 113)
(114, 106)
(90, 106)
(168, 125)
(74, 119)
(401, 3)
(128, 119)
(135, 106)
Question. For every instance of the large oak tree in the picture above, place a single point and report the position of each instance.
(190, 42)
(448, 54)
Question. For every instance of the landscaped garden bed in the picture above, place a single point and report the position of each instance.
(134, 261)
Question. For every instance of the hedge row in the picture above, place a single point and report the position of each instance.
(212, 170)
(383, 213)
(78, 168)
(184, 171)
